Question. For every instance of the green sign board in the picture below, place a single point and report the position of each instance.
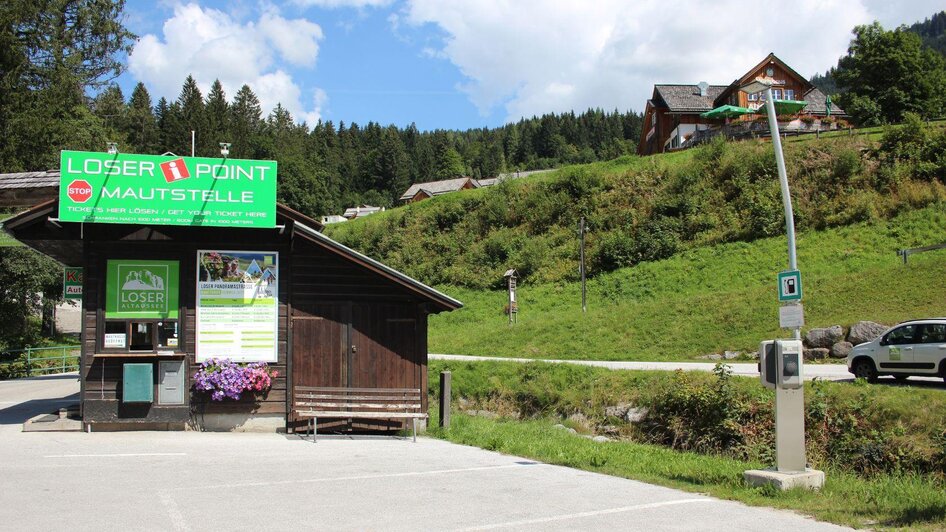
(127, 188)
(72, 283)
(146, 289)
(789, 285)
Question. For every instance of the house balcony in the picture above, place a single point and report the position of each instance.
(758, 128)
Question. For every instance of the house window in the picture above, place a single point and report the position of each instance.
(776, 94)
(141, 306)
(789, 94)
(754, 97)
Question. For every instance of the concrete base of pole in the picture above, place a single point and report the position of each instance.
(809, 479)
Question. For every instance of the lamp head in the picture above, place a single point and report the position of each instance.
(757, 85)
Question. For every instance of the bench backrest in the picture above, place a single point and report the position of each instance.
(379, 400)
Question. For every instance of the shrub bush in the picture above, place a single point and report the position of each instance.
(867, 430)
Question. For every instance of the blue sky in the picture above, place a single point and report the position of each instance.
(463, 64)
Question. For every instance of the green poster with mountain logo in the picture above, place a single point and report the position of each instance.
(145, 289)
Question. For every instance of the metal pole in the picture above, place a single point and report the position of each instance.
(193, 142)
(445, 393)
(581, 232)
(783, 183)
(789, 404)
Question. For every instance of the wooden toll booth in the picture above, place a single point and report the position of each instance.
(339, 318)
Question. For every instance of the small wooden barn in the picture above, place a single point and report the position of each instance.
(342, 319)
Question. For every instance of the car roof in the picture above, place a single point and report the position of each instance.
(922, 320)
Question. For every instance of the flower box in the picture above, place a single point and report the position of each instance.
(225, 379)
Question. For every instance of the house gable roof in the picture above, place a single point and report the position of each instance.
(686, 98)
(817, 104)
(753, 73)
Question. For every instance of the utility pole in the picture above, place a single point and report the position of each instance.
(581, 268)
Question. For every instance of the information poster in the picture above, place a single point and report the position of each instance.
(237, 305)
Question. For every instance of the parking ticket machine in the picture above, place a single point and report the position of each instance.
(780, 364)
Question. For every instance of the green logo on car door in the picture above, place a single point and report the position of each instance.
(894, 353)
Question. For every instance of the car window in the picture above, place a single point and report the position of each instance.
(933, 333)
(902, 335)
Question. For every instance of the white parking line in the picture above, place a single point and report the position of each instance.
(118, 455)
(358, 477)
(579, 515)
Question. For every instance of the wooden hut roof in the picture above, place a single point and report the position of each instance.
(435, 188)
(23, 189)
(39, 229)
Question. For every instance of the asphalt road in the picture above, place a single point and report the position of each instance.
(21, 399)
(229, 481)
(830, 372)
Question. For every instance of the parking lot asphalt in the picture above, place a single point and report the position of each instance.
(240, 481)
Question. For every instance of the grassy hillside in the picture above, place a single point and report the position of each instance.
(641, 210)
(683, 248)
(709, 299)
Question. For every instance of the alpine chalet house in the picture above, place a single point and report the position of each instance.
(674, 114)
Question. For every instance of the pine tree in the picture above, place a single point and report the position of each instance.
(217, 114)
(141, 127)
(192, 118)
(51, 54)
(245, 123)
(448, 162)
(109, 106)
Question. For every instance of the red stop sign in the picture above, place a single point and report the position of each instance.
(79, 191)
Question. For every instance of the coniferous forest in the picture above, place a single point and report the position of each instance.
(327, 167)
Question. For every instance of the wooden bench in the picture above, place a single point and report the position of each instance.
(314, 402)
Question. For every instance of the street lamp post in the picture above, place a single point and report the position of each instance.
(791, 463)
(759, 85)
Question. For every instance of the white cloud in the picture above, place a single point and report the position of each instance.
(334, 4)
(210, 44)
(319, 99)
(296, 40)
(538, 56)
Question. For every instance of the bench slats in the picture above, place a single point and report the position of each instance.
(356, 415)
(357, 403)
(358, 397)
(324, 404)
(355, 390)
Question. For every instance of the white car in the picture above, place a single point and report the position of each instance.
(916, 347)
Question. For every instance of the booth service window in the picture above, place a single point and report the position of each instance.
(142, 306)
